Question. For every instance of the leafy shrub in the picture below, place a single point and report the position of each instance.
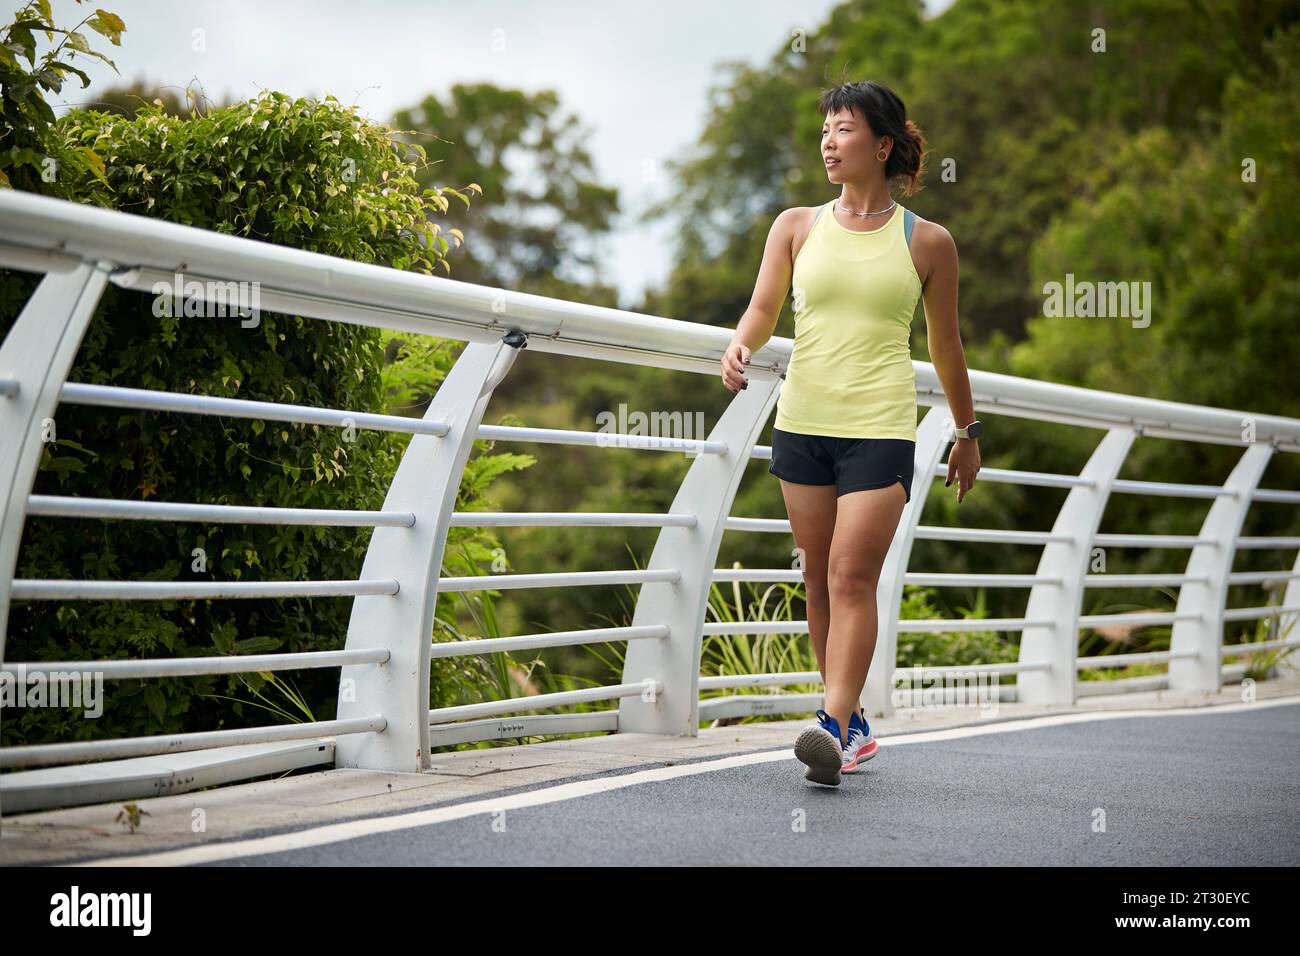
(295, 172)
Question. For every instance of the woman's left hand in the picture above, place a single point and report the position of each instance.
(964, 462)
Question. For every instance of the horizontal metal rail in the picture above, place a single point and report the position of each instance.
(926, 532)
(1140, 618)
(197, 666)
(1010, 476)
(940, 579)
(119, 781)
(565, 436)
(1253, 613)
(906, 625)
(757, 575)
(561, 579)
(26, 259)
(751, 705)
(1127, 660)
(768, 525)
(1121, 685)
(540, 701)
(1153, 540)
(941, 626)
(723, 628)
(1276, 495)
(1280, 542)
(39, 755)
(53, 506)
(1261, 577)
(1139, 580)
(570, 519)
(527, 642)
(62, 590)
(760, 680)
(1251, 647)
(930, 532)
(112, 396)
(917, 578)
(715, 682)
(1167, 489)
(959, 694)
(999, 668)
(523, 725)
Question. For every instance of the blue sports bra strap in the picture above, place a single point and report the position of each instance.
(909, 220)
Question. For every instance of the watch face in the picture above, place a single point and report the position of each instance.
(974, 429)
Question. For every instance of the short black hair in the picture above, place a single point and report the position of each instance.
(885, 113)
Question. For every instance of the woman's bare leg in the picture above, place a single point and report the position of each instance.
(864, 528)
(812, 510)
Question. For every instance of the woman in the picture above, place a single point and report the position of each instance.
(844, 439)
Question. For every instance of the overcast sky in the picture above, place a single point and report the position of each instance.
(636, 74)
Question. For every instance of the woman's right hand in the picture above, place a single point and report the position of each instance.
(733, 367)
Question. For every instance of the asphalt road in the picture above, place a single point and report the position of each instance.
(1212, 789)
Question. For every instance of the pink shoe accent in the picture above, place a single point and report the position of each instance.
(863, 753)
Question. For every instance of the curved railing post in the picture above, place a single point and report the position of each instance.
(1288, 664)
(1057, 643)
(34, 361)
(932, 437)
(707, 491)
(426, 483)
(1205, 593)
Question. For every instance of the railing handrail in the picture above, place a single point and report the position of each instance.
(149, 249)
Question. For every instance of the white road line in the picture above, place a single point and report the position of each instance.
(353, 829)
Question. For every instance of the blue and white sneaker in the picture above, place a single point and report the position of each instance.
(821, 748)
(860, 745)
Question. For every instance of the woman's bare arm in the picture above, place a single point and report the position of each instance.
(946, 351)
(773, 284)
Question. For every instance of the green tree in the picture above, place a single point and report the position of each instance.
(543, 203)
(28, 155)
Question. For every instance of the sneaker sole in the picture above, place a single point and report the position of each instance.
(822, 754)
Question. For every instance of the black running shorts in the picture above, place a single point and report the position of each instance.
(850, 464)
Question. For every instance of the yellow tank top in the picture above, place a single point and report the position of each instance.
(850, 374)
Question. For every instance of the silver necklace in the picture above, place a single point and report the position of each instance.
(863, 215)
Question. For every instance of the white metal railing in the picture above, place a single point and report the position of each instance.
(105, 396)
(384, 721)
(54, 506)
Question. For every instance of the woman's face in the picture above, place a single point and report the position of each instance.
(848, 146)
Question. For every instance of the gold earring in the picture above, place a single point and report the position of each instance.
(881, 158)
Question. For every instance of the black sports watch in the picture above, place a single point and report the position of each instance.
(973, 430)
